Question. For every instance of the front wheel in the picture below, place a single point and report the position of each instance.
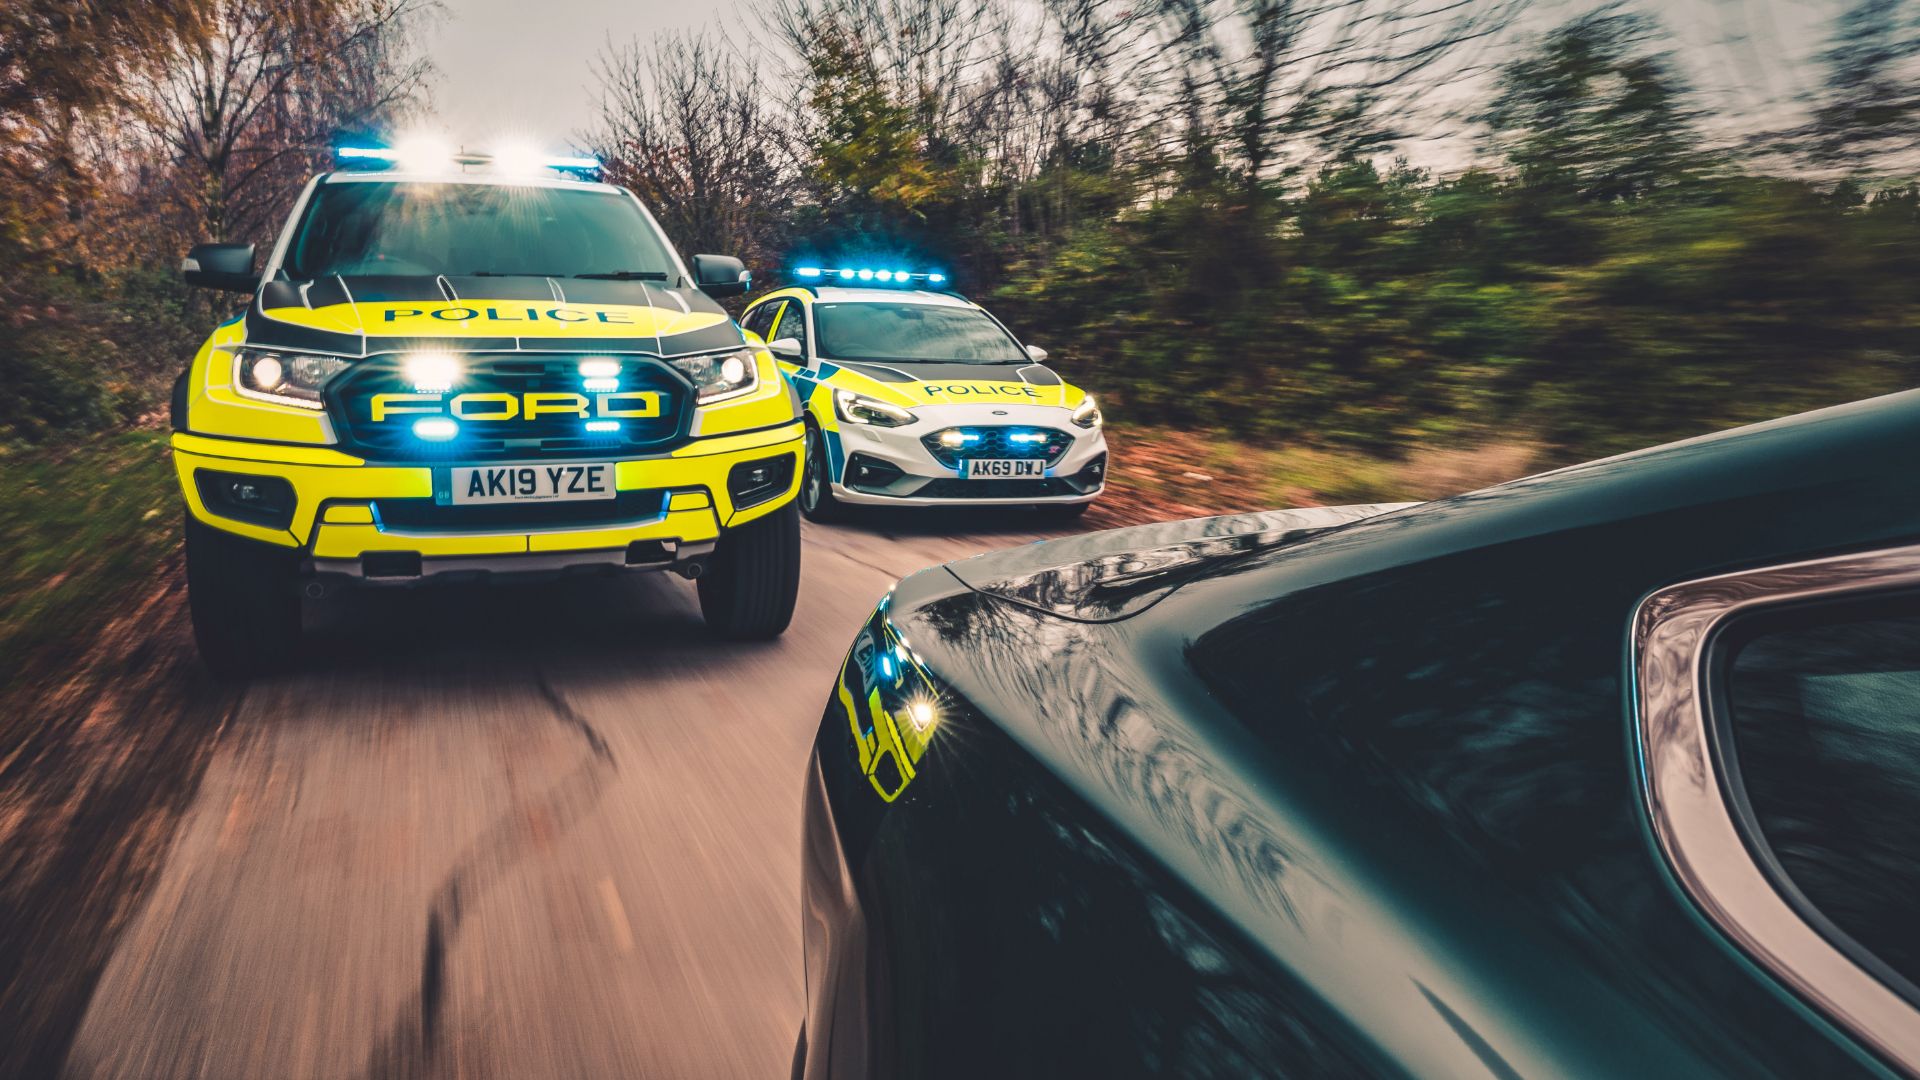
(748, 589)
(816, 481)
(245, 608)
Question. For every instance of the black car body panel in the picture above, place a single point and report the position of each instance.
(1360, 802)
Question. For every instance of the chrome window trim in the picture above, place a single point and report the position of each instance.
(1693, 822)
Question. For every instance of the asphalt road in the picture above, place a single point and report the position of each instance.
(515, 832)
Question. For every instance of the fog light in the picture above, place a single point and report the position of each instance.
(435, 429)
(952, 438)
(432, 373)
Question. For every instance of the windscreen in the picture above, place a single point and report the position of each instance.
(413, 228)
(921, 333)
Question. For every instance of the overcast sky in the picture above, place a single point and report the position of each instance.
(525, 67)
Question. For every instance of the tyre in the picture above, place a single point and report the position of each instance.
(244, 603)
(748, 589)
(816, 483)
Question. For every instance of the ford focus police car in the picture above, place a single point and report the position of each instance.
(453, 368)
(918, 397)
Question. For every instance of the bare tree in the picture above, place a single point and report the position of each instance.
(685, 125)
(253, 106)
(66, 68)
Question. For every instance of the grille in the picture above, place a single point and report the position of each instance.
(996, 442)
(553, 434)
(424, 515)
(994, 489)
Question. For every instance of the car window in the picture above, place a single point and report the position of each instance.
(874, 330)
(422, 228)
(793, 324)
(1825, 725)
(761, 318)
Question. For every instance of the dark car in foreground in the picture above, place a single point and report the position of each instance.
(1609, 772)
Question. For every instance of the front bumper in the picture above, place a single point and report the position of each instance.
(901, 471)
(674, 508)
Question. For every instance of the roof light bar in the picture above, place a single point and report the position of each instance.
(416, 158)
(866, 273)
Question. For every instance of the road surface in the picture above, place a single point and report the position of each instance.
(521, 832)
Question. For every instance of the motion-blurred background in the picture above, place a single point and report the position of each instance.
(1303, 250)
(1354, 227)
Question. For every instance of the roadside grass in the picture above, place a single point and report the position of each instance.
(82, 529)
(1158, 474)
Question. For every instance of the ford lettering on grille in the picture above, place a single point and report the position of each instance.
(511, 406)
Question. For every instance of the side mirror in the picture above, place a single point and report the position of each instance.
(721, 275)
(787, 348)
(227, 267)
(1037, 354)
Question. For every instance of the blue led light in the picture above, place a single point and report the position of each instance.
(435, 429)
(367, 153)
(603, 425)
(868, 273)
(1027, 437)
(886, 666)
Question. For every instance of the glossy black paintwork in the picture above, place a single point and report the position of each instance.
(1362, 803)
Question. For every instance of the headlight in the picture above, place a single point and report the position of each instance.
(855, 409)
(1087, 414)
(720, 376)
(284, 378)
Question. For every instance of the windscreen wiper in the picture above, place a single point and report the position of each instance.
(507, 273)
(628, 275)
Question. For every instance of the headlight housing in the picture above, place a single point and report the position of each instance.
(854, 409)
(1086, 414)
(284, 378)
(719, 376)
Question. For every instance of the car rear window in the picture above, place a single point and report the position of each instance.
(1825, 724)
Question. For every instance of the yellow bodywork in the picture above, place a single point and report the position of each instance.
(892, 707)
(333, 519)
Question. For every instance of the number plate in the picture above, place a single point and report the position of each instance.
(481, 484)
(1002, 468)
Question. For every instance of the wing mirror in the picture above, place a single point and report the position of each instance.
(1037, 354)
(787, 348)
(721, 275)
(227, 267)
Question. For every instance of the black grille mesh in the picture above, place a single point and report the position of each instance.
(995, 442)
(350, 400)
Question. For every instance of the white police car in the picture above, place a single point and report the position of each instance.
(919, 397)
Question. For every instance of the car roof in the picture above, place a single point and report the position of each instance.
(830, 294)
(394, 176)
(1787, 490)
